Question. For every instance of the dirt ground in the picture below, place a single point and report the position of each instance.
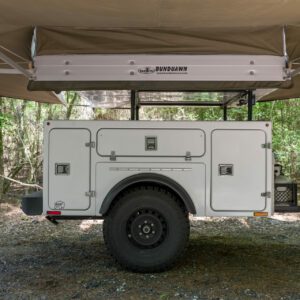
(227, 258)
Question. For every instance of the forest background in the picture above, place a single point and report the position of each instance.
(21, 132)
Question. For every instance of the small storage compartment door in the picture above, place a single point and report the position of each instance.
(69, 169)
(238, 170)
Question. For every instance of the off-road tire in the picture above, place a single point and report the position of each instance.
(127, 243)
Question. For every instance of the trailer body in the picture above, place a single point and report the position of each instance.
(224, 167)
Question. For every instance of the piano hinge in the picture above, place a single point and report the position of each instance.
(188, 156)
(113, 156)
(266, 146)
(90, 144)
(90, 194)
(266, 194)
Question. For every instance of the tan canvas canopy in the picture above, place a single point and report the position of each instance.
(15, 86)
(285, 94)
(159, 26)
(267, 41)
(14, 43)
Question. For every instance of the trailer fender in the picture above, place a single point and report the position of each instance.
(148, 178)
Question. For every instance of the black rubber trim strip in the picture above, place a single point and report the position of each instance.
(58, 86)
(148, 178)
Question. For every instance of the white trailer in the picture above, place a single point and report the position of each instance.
(145, 178)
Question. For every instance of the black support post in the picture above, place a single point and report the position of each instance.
(137, 105)
(225, 112)
(132, 105)
(251, 102)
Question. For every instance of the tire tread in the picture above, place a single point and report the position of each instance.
(186, 228)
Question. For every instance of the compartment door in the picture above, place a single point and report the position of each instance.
(151, 142)
(69, 169)
(238, 170)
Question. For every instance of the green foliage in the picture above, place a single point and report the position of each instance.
(21, 135)
(285, 117)
(22, 124)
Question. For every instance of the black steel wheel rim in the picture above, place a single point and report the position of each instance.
(146, 228)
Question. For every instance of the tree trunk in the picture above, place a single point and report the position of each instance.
(50, 112)
(71, 103)
(36, 150)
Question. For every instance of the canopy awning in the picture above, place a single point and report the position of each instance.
(285, 94)
(134, 25)
(15, 86)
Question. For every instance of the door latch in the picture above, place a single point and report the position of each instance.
(150, 143)
(226, 169)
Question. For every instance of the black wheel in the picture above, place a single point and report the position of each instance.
(146, 230)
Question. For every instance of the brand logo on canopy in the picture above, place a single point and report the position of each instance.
(147, 70)
(164, 70)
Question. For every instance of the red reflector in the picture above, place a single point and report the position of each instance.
(53, 212)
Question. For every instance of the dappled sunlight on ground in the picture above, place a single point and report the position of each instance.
(10, 210)
(87, 224)
(288, 217)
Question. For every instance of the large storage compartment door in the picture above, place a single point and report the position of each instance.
(69, 169)
(238, 170)
(151, 142)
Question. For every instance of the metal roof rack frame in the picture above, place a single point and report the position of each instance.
(135, 103)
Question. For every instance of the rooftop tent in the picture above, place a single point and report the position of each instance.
(164, 27)
(106, 58)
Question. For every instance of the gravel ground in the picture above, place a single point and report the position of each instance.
(227, 258)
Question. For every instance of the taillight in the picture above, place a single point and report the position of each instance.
(53, 212)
